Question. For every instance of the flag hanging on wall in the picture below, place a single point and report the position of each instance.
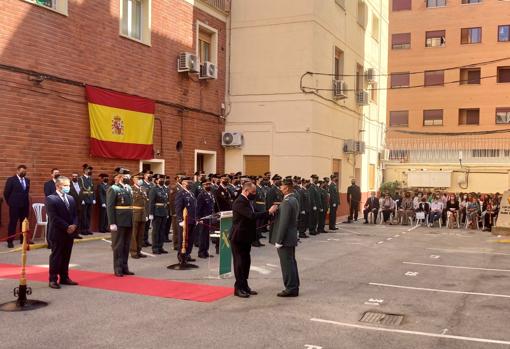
(121, 125)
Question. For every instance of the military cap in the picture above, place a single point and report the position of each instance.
(276, 177)
(332, 176)
(158, 176)
(288, 177)
(140, 174)
(288, 181)
(103, 175)
(186, 178)
(326, 179)
(87, 167)
(238, 173)
(146, 171)
(121, 170)
(196, 173)
(267, 173)
(314, 176)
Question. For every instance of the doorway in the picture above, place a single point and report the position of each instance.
(205, 161)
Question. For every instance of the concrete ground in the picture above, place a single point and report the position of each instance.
(451, 286)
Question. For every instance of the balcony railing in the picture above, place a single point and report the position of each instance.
(222, 5)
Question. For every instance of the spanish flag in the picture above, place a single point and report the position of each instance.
(121, 125)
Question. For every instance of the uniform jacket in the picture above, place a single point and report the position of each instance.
(223, 199)
(49, 187)
(158, 201)
(244, 221)
(324, 198)
(101, 191)
(60, 217)
(274, 195)
(315, 196)
(353, 194)
(140, 199)
(75, 194)
(171, 197)
(334, 197)
(186, 199)
(205, 204)
(304, 203)
(285, 230)
(118, 195)
(260, 200)
(14, 194)
(87, 189)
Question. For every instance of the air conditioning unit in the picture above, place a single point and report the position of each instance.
(339, 89)
(370, 75)
(360, 147)
(349, 146)
(208, 70)
(362, 98)
(232, 139)
(188, 62)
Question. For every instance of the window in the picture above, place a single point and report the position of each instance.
(471, 35)
(502, 115)
(339, 63)
(401, 5)
(135, 20)
(207, 43)
(435, 38)
(401, 41)
(434, 78)
(470, 76)
(362, 13)
(436, 3)
(375, 27)
(469, 116)
(205, 161)
(433, 117)
(59, 6)
(399, 118)
(503, 74)
(399, 80)
(471, 1)
(504, 33)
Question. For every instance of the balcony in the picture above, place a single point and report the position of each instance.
(221, 5)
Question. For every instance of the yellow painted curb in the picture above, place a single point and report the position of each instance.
(504, 241)
(39, 246)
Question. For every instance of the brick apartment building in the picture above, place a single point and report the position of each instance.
(51, 49)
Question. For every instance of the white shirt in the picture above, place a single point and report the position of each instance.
(437, 205)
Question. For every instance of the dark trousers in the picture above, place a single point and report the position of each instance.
(103, 220)
(120, 246)
(366, 211)
(16, 214)
(242, 262)
(175, 232)
(289, 267)
(60, 256)
(321, 222)
(303, 222)
(185, 241)
(84, 218)
(353, 210)
(146, 231)
(166, 231)
(158, 233)
(332, 217)
(203, 239)
(135, 246)
(314, 218)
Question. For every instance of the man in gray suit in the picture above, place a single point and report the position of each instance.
(285, 237)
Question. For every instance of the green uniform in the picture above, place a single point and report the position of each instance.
(315, 206)
(334, 202)
(119, 200)
(158, 208)
(140, 215)
(274, 196)
(323, 211)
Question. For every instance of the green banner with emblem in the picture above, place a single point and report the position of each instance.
(225, 249)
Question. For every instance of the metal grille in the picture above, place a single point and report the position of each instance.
(382, 318)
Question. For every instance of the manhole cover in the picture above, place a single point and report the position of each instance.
(382, 318)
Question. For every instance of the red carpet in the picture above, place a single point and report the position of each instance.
(127, 284)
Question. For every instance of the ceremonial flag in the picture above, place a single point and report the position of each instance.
(121, 125)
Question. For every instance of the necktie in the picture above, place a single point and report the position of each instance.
(65, 201)
(23, 184)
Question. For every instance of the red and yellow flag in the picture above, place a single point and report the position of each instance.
(121, 125)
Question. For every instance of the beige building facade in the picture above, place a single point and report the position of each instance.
(304, 87)
(449, 96)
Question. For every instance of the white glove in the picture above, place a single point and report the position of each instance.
(322, 210)
(151, 217)
(93, 202)
(167, 217)
(181, 224)
(303, 212)
(334, 205)
(315, 208)
(277, 245)
(103, 205)
(113, 227)
(83, 202)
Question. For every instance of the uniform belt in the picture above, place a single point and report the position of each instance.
(260, 202)
(161, 205)
(87, 191)
(277, 203)
(123, 207)
(137, 207)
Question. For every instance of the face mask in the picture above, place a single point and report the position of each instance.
(105, 180)
(126, 180)
(161, 182)
(66, 189)
(207, 188)
(22, 174)
(167, 182)
(252, 196)
(224, 182)
(56, 176)
(75, 180)
(89, 173)
(140, 182)
(278, 183)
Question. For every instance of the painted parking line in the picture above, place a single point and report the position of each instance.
(468, 251)
(456, 267)
(439, 290)
(415, 333)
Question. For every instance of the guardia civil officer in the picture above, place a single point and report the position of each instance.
(87, 198)
(304, 206)
(140, 216)
(205, 207)
(102, 189)
(174, 189)
(158, 213)
(119, 201)
(323, 210)
(186, 200)
(334, 202)
(274, 197)
(315, 204)
(147, 185)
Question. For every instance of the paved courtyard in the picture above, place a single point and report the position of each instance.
(451, 287)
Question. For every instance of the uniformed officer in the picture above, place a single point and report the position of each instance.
(223, 196)
(323, 211)
(260, 206)
(168, 223)
(87, 199)
(171, 198)
(158, 212)
(353, 198)
(185, 200)
(101, 191)
(334, 202)
(304, 208)
(140, 215)
(119, 202)
(273, 197)
(205, 207)
(147, 185)
(315, 204)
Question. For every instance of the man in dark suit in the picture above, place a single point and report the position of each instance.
(49, 186)
(285, 238)
(243, 233)
(353, 198)
(16, 194)
(223, 196)
(75, 193)
(371, 205)
(62, 214)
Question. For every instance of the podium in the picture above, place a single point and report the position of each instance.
(225, 269)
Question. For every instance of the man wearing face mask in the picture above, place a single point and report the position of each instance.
(168, 223)
(147, 185)
(63, 218)
(171, 199)
(158, 213)
(101, 191)
(16, 194)
(186, 200)
(49, 186)
(205, 207)
(87, 197)
(274, 197)
(140, 216)
(223, 196)
(119, 202)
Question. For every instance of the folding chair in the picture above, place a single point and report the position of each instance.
(38, 208)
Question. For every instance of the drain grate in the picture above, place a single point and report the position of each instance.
(382, 318)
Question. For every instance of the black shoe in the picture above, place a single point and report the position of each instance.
(68, 282)
(303, 236)
(203, 255)
(119, 274)
(156, 252)
(147, 244)
(262, 237)
(347, 222)
(313, 233)
(176, 249)
(241, 293)
(286, 293)
(128, 273)
(252, 293)
(167, 240)
(141, 255)
(54, 284)
(78, 237)
(335, 228)
(135, 256)
(189, 259)
(162, 251)
(10, 244)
